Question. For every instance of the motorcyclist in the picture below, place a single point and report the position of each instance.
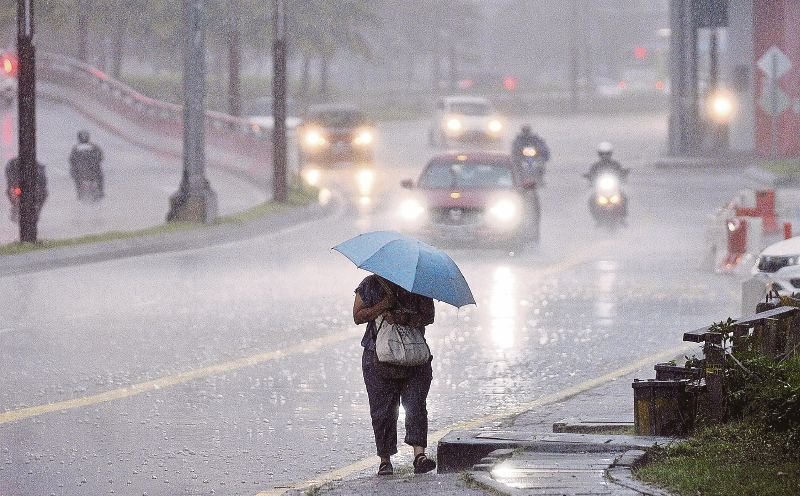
(84, 162)
(607, 164)
(604, 151)
(14, 185)
(527, 138)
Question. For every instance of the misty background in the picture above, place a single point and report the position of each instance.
(351, 50)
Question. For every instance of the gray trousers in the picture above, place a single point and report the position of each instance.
(385, 397)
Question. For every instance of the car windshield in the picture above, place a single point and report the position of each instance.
(338, 118)
(466, 175)
(470, 108)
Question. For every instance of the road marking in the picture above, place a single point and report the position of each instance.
(433, 438)
(7, 329)
(181, 378)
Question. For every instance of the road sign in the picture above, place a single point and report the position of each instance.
(774, 63)
(774, 101)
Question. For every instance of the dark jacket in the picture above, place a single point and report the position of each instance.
(84, 161)
(534, 140)
(606, 164)
(14, 179)
(372, 292)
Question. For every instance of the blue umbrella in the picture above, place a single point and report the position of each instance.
(409, 263)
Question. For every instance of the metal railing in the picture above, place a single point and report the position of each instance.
(61, 69)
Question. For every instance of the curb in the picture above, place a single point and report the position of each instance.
(762, 176)
(619, 474)
(47, 259)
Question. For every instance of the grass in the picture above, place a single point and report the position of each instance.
(787, 170)
(296, 198)
(731, 459)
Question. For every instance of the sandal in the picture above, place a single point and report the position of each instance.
(423, 464)
(385, 468)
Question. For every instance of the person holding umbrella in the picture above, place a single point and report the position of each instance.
(390, 385)
(407, 275)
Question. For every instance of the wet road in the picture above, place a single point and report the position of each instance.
(235, 369)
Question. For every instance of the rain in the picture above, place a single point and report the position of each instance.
(216, 352)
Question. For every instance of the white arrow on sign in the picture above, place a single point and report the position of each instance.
(774, 63)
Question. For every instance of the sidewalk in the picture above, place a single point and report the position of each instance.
(548, 464)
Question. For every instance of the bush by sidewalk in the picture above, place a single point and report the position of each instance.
(757, 452)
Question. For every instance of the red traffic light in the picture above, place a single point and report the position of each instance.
(510, 83)
(9, 64)
(640, 53)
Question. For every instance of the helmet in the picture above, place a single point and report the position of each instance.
(605, 149)
(526, 129)
(83, 136)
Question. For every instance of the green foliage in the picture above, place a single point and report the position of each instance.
(735, 458)
(766, 392)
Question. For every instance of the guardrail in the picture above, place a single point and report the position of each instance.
(61, 69)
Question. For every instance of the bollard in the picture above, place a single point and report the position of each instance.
(765, 206)
(787, 230)
(737, 242)
(663, 408)
(715, 376)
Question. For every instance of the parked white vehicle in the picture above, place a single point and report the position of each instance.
(465, 118)
(779, 265)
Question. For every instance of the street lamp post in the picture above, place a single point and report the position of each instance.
(194, 201)
(26, 96)
(279, 102)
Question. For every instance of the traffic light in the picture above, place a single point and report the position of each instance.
(640, 53)
(9, 64)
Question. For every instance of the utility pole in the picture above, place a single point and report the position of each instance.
(574, 54)
(279, 102)
(26, 100)
(234, 60)
(194, 201)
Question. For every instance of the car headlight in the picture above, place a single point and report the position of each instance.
(411, 209)
(495, 126)
(363, 137)
(505, 211)
(614, 199)
(529, 151)
(602, 200)
(454, 124)
(312, 176)
(365, 178)
(313, 138)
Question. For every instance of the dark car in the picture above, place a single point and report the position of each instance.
(336, 132)
(473, 197)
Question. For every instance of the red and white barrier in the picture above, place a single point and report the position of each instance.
(744, 231)
(744, 242)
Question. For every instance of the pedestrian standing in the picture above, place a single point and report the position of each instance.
(390, 385)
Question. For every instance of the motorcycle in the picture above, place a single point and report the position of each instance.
(89, 190)
(533, 165)
(608, 204)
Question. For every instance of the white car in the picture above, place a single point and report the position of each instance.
(465, 118)
(779, 264)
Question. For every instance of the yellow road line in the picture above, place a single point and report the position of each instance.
(435, 437)
(181, 378)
